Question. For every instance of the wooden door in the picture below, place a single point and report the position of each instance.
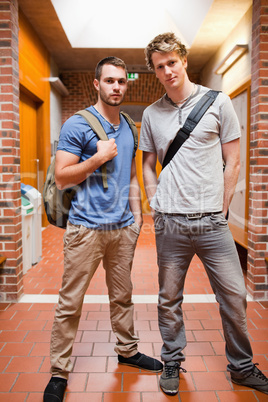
(29, 161)
(144, 201)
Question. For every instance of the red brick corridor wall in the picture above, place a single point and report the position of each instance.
(10, 219)
(145, 90)
(258, 190)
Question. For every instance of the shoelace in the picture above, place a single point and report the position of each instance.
(258, 373)
(170, 370)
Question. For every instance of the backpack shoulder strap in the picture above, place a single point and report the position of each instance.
(94, 123)
(134, 130)
(96, 126)
(194, 117)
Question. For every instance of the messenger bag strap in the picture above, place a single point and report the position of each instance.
(96, 126)
(194, 117)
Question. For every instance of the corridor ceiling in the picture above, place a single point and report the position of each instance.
(78, 33)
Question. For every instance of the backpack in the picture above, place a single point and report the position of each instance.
(57, 202)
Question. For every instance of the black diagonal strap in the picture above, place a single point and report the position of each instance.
(194, 117)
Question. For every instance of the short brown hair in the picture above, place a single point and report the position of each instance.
(114, 61)
(164, 43)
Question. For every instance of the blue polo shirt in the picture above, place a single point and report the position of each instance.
(93, 206)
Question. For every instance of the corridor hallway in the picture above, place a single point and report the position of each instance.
(25, 335)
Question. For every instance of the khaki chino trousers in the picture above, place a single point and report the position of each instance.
(83, 251)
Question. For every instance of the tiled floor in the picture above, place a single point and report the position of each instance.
(25, 335)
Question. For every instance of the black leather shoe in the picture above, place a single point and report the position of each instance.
(142, 361)
(55, 390)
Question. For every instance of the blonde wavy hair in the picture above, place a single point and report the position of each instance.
(164, 43)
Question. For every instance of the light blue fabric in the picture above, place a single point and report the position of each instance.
(93, 206)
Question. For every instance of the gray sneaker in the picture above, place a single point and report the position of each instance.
(256, 379)
(169, 380)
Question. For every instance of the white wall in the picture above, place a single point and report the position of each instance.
(240, 72)
(55, 112)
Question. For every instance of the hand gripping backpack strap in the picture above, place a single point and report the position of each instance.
(96, 126)
(194, 117)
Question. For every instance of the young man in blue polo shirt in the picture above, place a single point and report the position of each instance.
(104, 224)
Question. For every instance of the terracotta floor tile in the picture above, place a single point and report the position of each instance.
(258, 334)
(90, 365)
(83, 397)
(13, 397)
(6, 381)
(98, 315)
(197, 315)
(32, 325)
(4, 361)
(12, 336)
(10, 325)
(235, 396)
(45, 366)
(16, 349)
(212, 324)
(41, 349)
(153, 325)
(97, 376)
(151, 336)
(103, 349)
(190, 336)
(213, 381)
(104, 382)
(219, 348)
(136, 381)
(82, 349)
(33, 382)
(192, 324)
(7, 315)
(194, 363)
(89, 325)
(198, 396)
(146, 325)
(25, 364)
(77, 382)
(209, 335)
(122, 397)
(146, 348)
(199, 348)
(260, 323)
(215, 363)
(26, 315)
(259, 347)
(37, 336)
(93, 336)
(146, 315)
(158, 397)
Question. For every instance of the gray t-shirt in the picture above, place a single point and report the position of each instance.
(193, 180)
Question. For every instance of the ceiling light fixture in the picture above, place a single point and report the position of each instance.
(231, 58)
(58, 85)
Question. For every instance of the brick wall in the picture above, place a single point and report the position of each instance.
(10, 220)
(145, 90)
(258, 191)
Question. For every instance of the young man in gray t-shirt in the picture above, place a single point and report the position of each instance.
(189, 203)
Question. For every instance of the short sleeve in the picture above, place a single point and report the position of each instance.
(146, 140)
(72, 136)
(229, 123)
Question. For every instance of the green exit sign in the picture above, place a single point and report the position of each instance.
(132, 76)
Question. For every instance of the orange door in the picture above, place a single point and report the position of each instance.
(28, 141)
(144, 201)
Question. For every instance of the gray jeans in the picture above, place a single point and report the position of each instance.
(178, 239)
